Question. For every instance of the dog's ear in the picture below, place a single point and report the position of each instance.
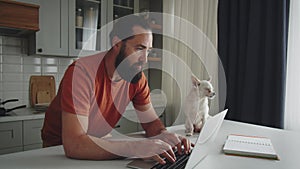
(209, 78)
(195, 81)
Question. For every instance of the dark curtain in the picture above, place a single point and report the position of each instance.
(252, 42)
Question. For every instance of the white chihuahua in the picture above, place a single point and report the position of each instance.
(196, 105)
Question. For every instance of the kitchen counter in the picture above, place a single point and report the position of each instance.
(54, 157)
(21, 130)
(22, 114)
(158, 101)
(204, 156)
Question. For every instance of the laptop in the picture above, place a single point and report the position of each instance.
(202, 146)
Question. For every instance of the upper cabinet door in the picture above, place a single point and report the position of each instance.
(88, 33)
(77, 28)
(52, 39)
(122, 8)
(86, 17)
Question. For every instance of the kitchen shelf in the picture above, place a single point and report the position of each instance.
(155, 26)
(94, 1)
(124, 7)
(86, 28)
(154, 59)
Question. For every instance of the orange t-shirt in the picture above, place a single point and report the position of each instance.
(87, 90)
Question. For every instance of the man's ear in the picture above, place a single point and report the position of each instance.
(115, 41)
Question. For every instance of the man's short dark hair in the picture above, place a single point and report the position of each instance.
(122, 27)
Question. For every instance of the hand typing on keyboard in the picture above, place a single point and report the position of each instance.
(160, 147)
(180, 163)
(179, 143)
(175, 140)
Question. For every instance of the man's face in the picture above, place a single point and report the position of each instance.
(133, 55)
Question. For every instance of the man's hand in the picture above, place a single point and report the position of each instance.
(156, 130)
(163, 146)
(155, 149)
(175, 140)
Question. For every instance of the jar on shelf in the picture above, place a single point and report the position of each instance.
(145, 14)
(153, 54)
(90, 18)
(79, 17)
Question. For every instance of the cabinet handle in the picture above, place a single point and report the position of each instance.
(117, 126)
(40, 50)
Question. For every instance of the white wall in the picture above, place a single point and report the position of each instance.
(16, 67)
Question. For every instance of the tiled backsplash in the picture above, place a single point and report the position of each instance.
(16, 67)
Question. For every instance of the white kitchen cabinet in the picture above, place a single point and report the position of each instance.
(20, 135)
(87, 19)
(61, 34)
(32, 134)
(32, 146)
(11, 150)
(11, 137)
(52, 38)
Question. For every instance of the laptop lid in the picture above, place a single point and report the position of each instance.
(207, 136)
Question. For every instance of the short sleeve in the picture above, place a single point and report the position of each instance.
(76, 90)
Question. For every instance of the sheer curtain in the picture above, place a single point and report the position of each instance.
(292, 101)
(187, 52)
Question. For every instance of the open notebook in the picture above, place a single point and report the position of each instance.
(207, 135)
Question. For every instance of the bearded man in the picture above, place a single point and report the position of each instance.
(94, 93)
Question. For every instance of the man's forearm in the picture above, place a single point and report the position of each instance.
(153, 128)
(86, 147)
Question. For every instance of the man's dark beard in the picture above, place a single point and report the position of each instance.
(126, 72)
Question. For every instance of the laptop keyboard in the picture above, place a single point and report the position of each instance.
(180, 162)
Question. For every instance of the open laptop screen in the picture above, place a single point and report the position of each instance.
(207, 135)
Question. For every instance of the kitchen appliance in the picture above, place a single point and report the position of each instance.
(3, 111)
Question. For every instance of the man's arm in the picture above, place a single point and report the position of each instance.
(149, 120)
(79, 145)
(155, 129)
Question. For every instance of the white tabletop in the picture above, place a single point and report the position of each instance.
(286, 144)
